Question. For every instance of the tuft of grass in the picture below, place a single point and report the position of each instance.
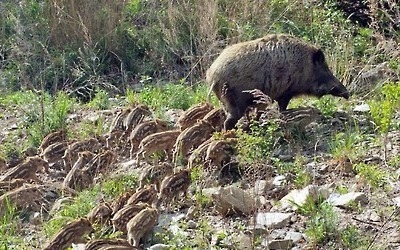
(384, 105)
(100, 101)
(175, 96)
(353, 238)
(372, 174)
(87, 199)
(302, 176)
(257, 145)
(342, 145)
(322, 222)
(169, 96)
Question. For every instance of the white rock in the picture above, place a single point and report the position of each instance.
(79, 246)
(272, 220)
(295, 236)
(346, 199)
(396, 201)
(210, 191)
(297, 198)
(160, 247)
(362, 108)
(278, 180)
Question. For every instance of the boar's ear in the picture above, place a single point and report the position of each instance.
(318, 57)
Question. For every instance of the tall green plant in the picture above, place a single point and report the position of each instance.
(383, 107)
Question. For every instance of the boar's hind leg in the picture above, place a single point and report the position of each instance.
(235, 108)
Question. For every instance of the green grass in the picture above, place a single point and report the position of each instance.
(100, 101)
(374, 176)
(257, 145)
(323, 227)
(385, 103)
(347, 144)
(9, 227)
(87, 199)
(170, 96)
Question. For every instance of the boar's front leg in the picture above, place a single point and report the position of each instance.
(283, 102)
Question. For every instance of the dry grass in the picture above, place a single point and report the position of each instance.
(78, 22)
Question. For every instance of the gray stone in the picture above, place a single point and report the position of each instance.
(260, 187)
(280, 244)
(230, 200)
(370, 215)
(243, 242)
(192, 224)
(294, 236)
(346, 199)
(210, 191)
(272, 220)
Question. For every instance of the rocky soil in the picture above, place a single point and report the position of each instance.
(231, 205)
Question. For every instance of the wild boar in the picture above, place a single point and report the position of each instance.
(281, 66)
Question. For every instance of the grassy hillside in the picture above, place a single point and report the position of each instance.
(72, 65)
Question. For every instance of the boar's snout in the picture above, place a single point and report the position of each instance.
(339, 90)
(332, 86)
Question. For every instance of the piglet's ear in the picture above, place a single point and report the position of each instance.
(318, 57)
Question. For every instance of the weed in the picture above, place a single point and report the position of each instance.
(100, 100)
(131, 96)
(353, 238)
(52, 116)
(86, 200)
(342, 189)
(88, 129)
(322, 223)
(257, 145)
(384, 106)
(343, 145)
(372, 175)
(327, 105)
(169, 96)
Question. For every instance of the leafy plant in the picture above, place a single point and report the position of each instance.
(342, 145)
(9, 226)
(257, 145)
(100, 100)
(372, 175)
(353, 238)
(385, 104)
(322, 222)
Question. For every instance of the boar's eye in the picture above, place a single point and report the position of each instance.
(318, 57)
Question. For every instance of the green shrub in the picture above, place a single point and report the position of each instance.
(100, 101)
(372, 175)
(257, 146)
(384, 105)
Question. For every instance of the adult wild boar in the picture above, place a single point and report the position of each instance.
(281, 66)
